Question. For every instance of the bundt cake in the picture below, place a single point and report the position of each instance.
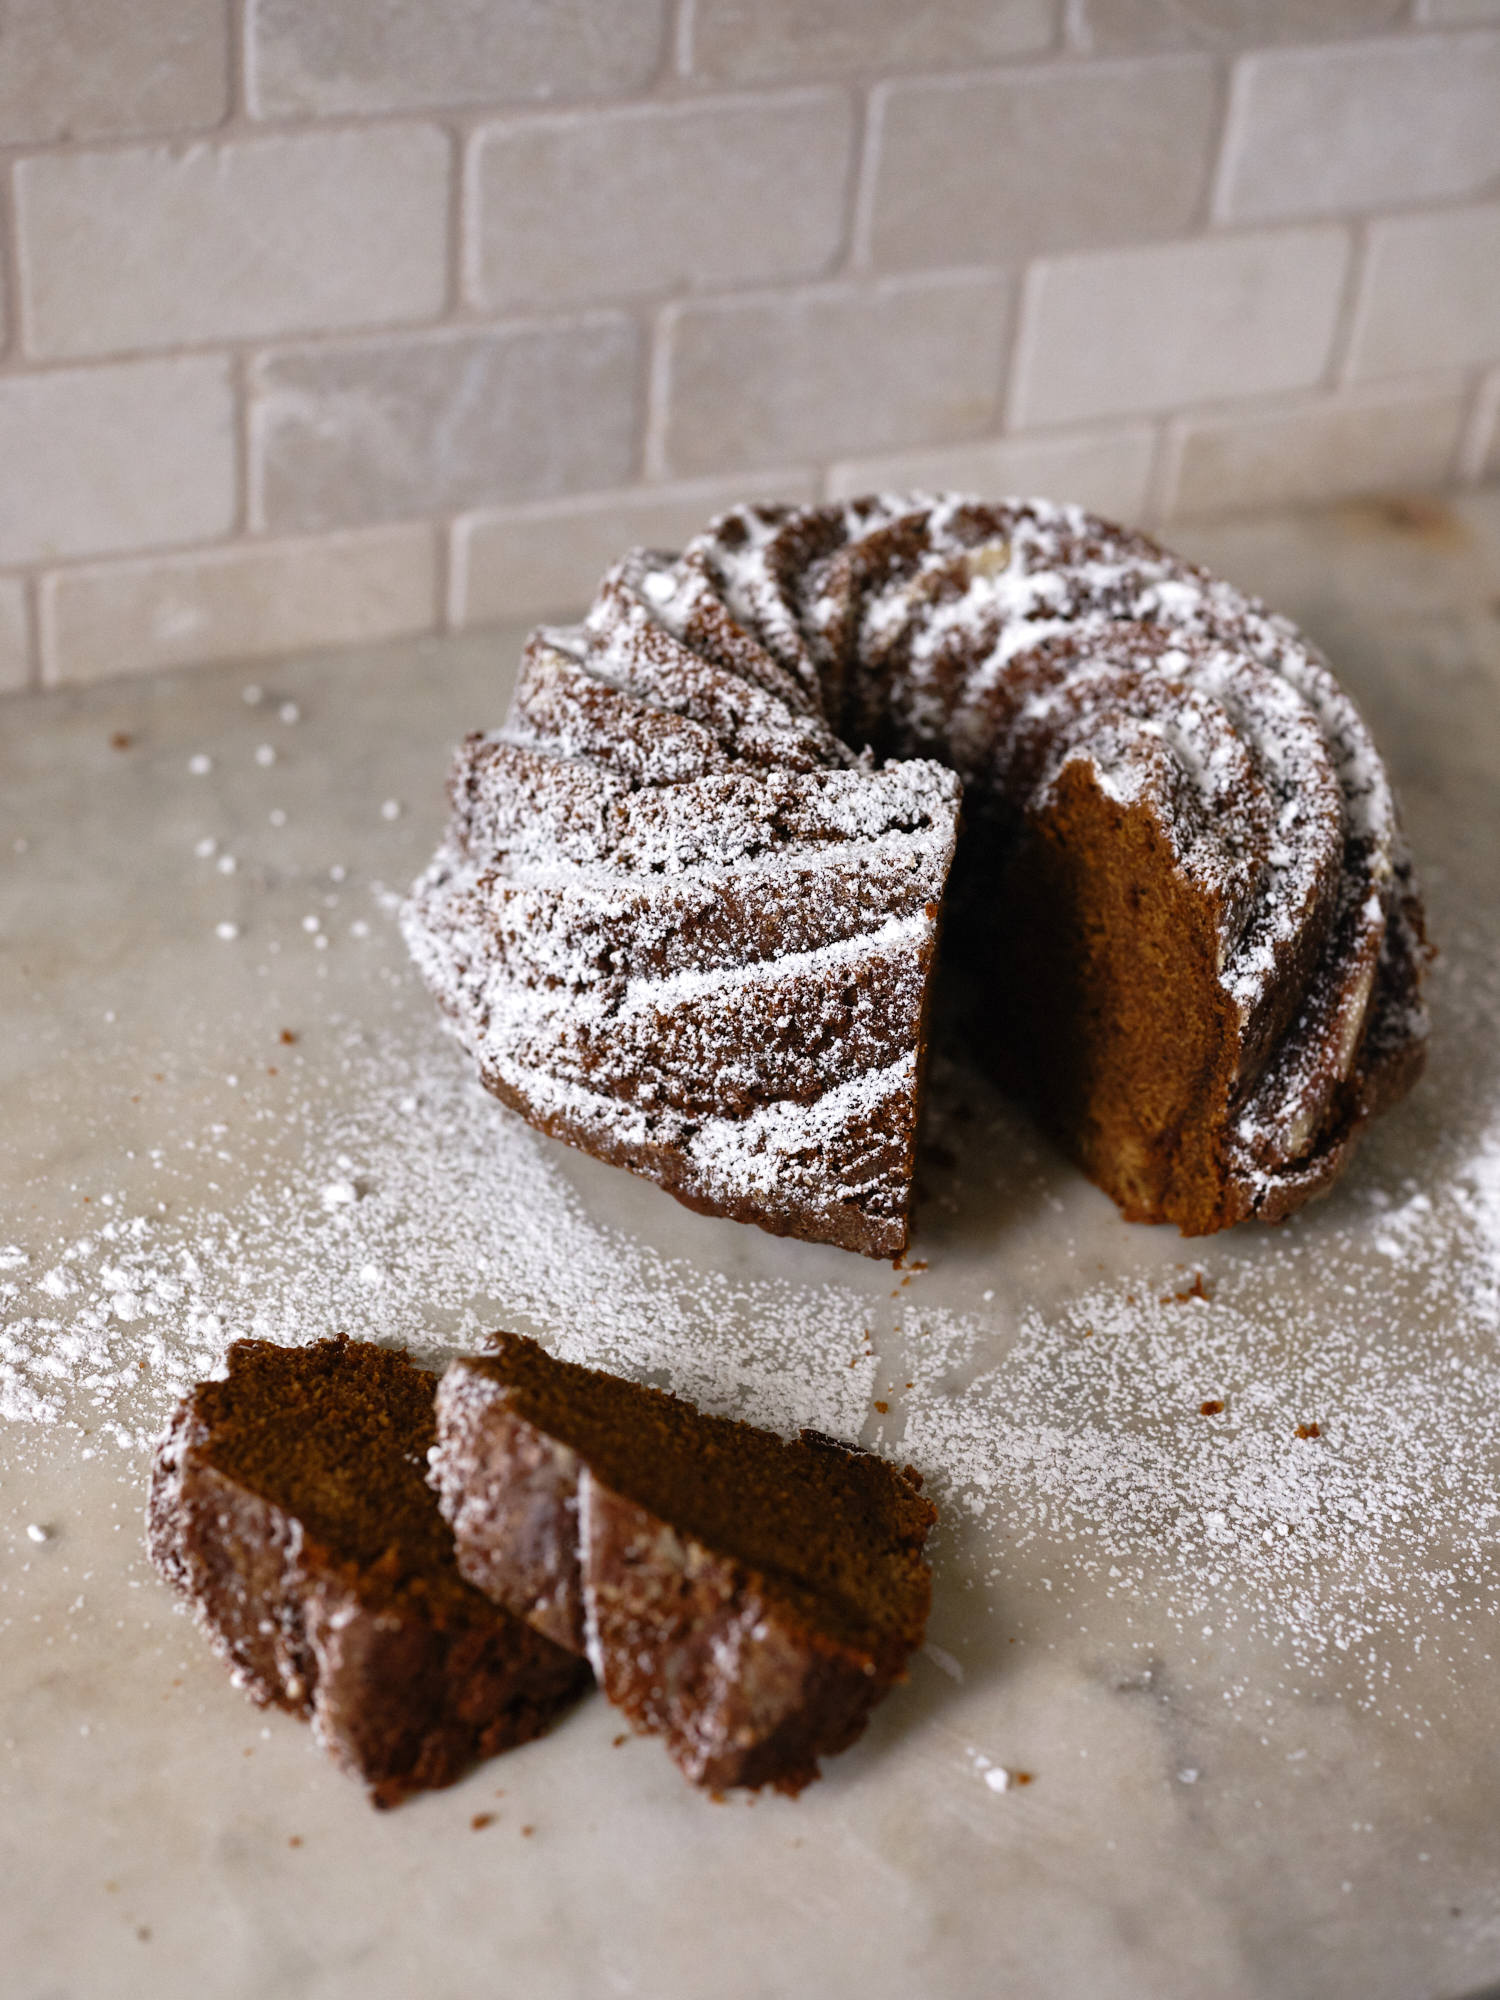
(289, 1505)
(746, 1599)
(687, 912)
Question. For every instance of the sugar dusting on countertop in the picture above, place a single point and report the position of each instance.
(428, 1214)
(1076, 1432)
(1303, 1449)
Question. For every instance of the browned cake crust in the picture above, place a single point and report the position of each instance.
(288, 1503)
(687, 911)
(747, 1599)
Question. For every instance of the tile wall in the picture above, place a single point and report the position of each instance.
(328, 320)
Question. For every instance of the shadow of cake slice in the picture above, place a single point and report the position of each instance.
(289, 1504)
(748, 1599)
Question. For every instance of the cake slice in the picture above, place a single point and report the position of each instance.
(288, 1503)
(748, 1599)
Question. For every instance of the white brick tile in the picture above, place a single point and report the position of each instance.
(657, 198)
(15, 649)
(1457, 13)
(1124, 332)
(407, 429)
(982, 170)
(111, 69)
(833, 371)
(311, 56)
(126, 457)
(154, 246)
(1310, 452)
(1479, 449)
(1431, 294)
(1394, 555)
(529, 562)
(245, 602)
(1110, 26)
(758, 40)
(1322, 130)
(1108, 471)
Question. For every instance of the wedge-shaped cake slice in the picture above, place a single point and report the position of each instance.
(748, 1599)
(289, 1504)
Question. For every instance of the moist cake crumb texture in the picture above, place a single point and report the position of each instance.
(289, 1505)
(746, 1598)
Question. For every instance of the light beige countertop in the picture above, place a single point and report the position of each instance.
(1252, 1678)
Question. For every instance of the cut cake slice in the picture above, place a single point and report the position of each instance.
(288, 1503)
(748, 1599)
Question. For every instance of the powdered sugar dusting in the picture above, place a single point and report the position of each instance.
(680, 731)
(1066, 1423)
(426, 1216)
(1294, 1440)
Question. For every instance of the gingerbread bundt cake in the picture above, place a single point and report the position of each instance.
(687, 912)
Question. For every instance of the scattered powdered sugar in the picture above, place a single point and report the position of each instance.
(1133, 1437)
(1068, 1431)
(425, 1215)
(1301, 1450)
(1217, 1453)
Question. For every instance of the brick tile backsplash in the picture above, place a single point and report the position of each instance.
(15, 649)
(311, 57)
(1108, 470)
(1105, 26)
(1126, 331)
(111, 69)
(758, 41)
(1323, 131)
(403, 429)
(124, 457)
(1431, 293)
(328, 319)
(833, 371)
(153, 247)
(1457, 13)
(526, 562)
(1316, 452)
(737, 190)
(239, 603)
(988, 170)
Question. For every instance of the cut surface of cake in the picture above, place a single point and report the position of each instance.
(289, 1504)
(687, 912)
(745, 1598)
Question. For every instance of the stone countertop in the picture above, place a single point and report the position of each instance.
(1253, 1693)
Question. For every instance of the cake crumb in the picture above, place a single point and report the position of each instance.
(1196, 1290)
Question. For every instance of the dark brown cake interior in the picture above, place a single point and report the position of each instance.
(337, 1434)
(1120, 1033)
(838, 1532)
